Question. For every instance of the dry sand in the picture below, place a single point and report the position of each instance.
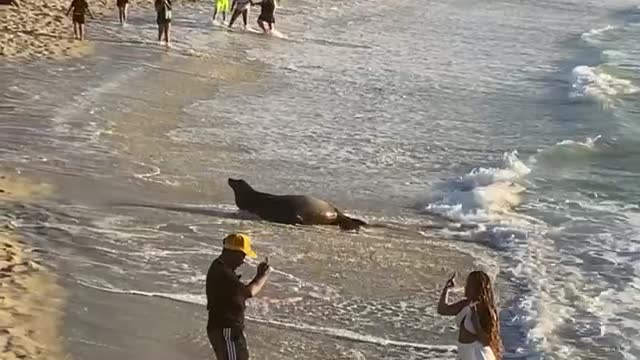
(37, 29)
(40, 29)
(30, 301)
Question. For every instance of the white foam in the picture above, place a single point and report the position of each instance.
(354, 336)
(482, 193)
(187, 298)
(333, 332)
(153, 175)
(488, 195)
(589, 143)
(593, 34)
(276, 33)
(512, 169)
(567, 150)
(558, 290)
(595, 83)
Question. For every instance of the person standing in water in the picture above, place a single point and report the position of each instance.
(79, 7)
(240, 7)
(221, 6)
(476, 316)
(163, 19)
(226, 297)
(267, 14)
(122, 10)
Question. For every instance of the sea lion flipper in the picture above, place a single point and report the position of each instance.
(348, 223)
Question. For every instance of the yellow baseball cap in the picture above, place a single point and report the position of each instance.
(239, 242)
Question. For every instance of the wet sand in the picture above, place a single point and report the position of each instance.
(103, 324)
(156, 328)
(31, 304)
(99, 324)
(145, 141)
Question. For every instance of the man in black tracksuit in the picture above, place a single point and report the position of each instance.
(227, 295)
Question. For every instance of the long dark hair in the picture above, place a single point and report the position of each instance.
(487, 312)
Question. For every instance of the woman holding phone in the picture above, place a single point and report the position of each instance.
(476, 316)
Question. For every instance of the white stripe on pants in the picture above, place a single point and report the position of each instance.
(231, 347)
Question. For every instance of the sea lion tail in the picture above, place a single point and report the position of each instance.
(348, 223)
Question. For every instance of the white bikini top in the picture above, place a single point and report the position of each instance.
(464, 318)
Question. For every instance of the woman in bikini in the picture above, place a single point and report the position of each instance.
(476, 315)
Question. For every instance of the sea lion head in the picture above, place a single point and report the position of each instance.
(239, 185)
(242, 191)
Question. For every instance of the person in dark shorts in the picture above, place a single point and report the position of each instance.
(240, 7)
(226, 297)
(267, 14)
(163, 19)
(79, 7)
(122, 10)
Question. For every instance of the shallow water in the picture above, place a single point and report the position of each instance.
(518, 118)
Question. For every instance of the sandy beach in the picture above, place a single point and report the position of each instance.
(39, 29)
(31, 301)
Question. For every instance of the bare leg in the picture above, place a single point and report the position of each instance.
(261, 24)
(81, 30)
(167, 29)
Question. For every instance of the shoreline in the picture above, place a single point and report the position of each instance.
(32, 301)
(97, 325)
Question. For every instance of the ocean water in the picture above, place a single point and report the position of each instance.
(500, 135)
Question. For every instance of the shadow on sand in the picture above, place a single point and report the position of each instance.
(238, 215)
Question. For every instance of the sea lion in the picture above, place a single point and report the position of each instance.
(290, 209)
